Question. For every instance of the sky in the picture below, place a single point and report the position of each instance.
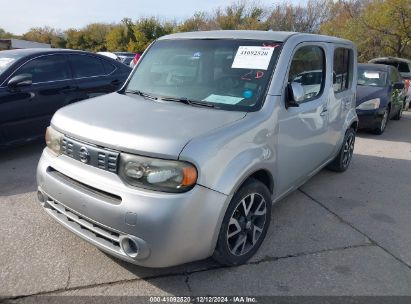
(18, 16)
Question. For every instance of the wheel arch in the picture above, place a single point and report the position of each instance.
(263, 176)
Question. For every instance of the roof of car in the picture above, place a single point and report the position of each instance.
(375, 66)
(390, 59)
(242, 34)
(36, 51)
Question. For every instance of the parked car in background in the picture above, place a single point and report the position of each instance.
(309, 80)
(110, 55)
(404, 67)
(125, 57)
(35, 83)
(185, 161)
(135, 60)
(380, 96)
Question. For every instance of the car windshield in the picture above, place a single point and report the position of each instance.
(227, 74)
(6, 60)
(371, 78)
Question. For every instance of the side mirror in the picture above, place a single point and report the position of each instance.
(295, 94)
(398, 86)
(22, 80)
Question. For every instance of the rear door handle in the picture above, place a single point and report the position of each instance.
(324, 111)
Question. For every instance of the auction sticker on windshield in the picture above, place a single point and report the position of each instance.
(223, 99)
(252, 57)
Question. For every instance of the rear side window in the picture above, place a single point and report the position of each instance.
(308, 69)
(86, 66)
(46, 68)
(108, 67)
(341, 73)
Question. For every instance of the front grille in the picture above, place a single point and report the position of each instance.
(103, 195)
(107, 161)
(91, 155)
(92, 231)
(67, 147)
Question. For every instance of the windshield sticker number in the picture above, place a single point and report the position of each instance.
(252, 57)
(230, 100)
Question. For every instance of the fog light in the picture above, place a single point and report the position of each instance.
(129, 246)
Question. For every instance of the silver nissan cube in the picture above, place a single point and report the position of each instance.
(209, 130)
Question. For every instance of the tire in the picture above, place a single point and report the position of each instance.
(399, 113)
(383, 123)
(245, 224)
(343, 159)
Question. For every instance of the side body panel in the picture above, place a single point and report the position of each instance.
(304, 141)
(228, 156)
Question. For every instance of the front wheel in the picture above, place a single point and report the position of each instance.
(383, 123)
(343, 159)
(244, 225)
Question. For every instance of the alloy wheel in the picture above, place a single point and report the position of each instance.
(246, 224)
(348, 149)
(384, 121)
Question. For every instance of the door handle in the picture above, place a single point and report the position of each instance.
(324, 111)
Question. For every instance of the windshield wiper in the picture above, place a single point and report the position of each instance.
(145, 95)
(188, 101)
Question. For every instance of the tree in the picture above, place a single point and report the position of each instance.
(47, 35)
(116, 39)
(147, 30)
(95, 36)
(239, 16)
(199, 22)
(75, 39)
(378, 28)
(392, 19)
(5, 35)
(306, 19)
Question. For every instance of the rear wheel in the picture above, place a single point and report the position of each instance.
(399, 113)
(244, 225)
(343, 159)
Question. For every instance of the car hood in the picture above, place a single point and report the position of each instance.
(365, 93)
(138, 125)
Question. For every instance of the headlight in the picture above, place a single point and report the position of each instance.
(371, 104)
(53, 141)
(157, 174)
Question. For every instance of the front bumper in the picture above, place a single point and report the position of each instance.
(369, 119)
(168, 228)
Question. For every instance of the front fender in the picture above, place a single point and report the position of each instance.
(227, 156)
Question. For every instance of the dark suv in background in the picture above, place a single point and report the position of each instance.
(35, 83)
